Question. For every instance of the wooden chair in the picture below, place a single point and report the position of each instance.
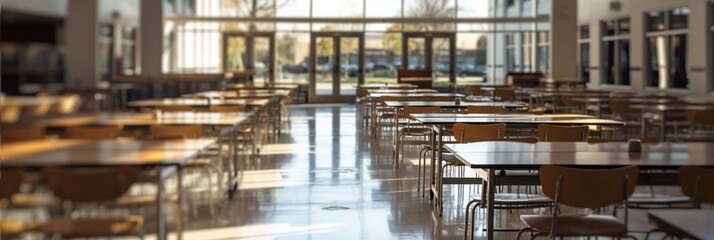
(93, 132)
(246, 134)
(91, 186)
(698, 184)
(67, 104)
(207, 165)
(174, 108)
(486, 109)
(574, 187)
(514, 139)
(464, 132)
(18, 133)
(410, 129)
(555, 133)
(475, 91)
(505, 94)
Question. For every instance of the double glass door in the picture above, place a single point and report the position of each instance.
(435, 52)
(250, 54)
(336, 66)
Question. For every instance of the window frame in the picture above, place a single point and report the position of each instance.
(617, 40)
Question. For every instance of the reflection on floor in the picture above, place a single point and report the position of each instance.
(327, 179)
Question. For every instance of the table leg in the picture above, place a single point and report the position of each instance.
(397, 138)
(179, 204)
(490, 211)
(439, 170)
(373, 117)
(432, 177)
(160, 217)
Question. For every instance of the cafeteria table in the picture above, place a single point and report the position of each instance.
(693, 224)
(168, 156)
(487, 158)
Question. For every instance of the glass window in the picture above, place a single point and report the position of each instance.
(678, 18)
(342, 8)
(471, 57)
(383, 8)
(584, 68)
(382, 56)
(473, 9)
(129, 50)
(585, 32)
(616, 52)
(667, 50)
(293, 8)
(655, 21)
(106, 49)
(543, 52)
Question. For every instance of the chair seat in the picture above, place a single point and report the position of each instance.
(30, 200)
(79, 228)
(199, 162)
(570, 225)
(518, 200)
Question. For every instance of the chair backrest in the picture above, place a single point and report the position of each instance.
(486, 109)
(700, 117)
(698, 184)
(404, 74)
(516, 139)
(90, 184)
(93, 132)
(505, 93)
(18, 133)
(174, 108)
(174, 132)
(463, 132)
(587, 188)
(622, 107)
(229, 108)
(383, 99)
(554, 133)
(10, 181)
(475, 90)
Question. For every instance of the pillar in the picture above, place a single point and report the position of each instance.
(563, 39)
(82, 35)
(151, 29)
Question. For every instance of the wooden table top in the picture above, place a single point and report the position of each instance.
(387, 86)
(140, 119)
(525, 120)
(631, 99)
(77, 153)
(284, 86)
(671, 107)
(377, 95)
(237, 94)
(197, 102)
(501, 115)
(418, 90)
(452, 104)
(688, 223)
(532, 156)
(27, 101)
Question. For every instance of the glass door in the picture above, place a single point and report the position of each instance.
(336, 66)
(251, 55)
(435, 52)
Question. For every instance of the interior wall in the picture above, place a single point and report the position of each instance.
(593, 12)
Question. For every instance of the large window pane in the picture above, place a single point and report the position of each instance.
(383, 8)
(440, 61)
(430, 9)
(293, 8)
(416, 54)
(609, 62)
(624, 62)
(679, 61)
(292, 54)
(471, 57)
(382, 57)
(658, 59)
(584, 66)
(678, 18)
(655, 21)
(349, 65)
(243, 8)
(543, 52)
(325, 54)
(342, 8)
(473, 9)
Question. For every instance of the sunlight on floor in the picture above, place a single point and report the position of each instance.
(271, 178)
(278, 149)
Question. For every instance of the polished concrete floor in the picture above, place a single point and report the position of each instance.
(327, 178)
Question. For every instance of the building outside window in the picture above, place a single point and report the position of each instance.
(616, 52)
(543, 52)
(667, 48)
(584, 53)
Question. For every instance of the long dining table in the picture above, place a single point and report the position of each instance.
(166, 156)
(488, 158)
(226, 123)
(439, 123)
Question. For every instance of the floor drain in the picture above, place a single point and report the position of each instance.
(335, 208)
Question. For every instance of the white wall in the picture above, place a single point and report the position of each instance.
(593, 12)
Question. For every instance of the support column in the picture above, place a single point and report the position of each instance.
(82, 36)
(151, 30)
(563, 39)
